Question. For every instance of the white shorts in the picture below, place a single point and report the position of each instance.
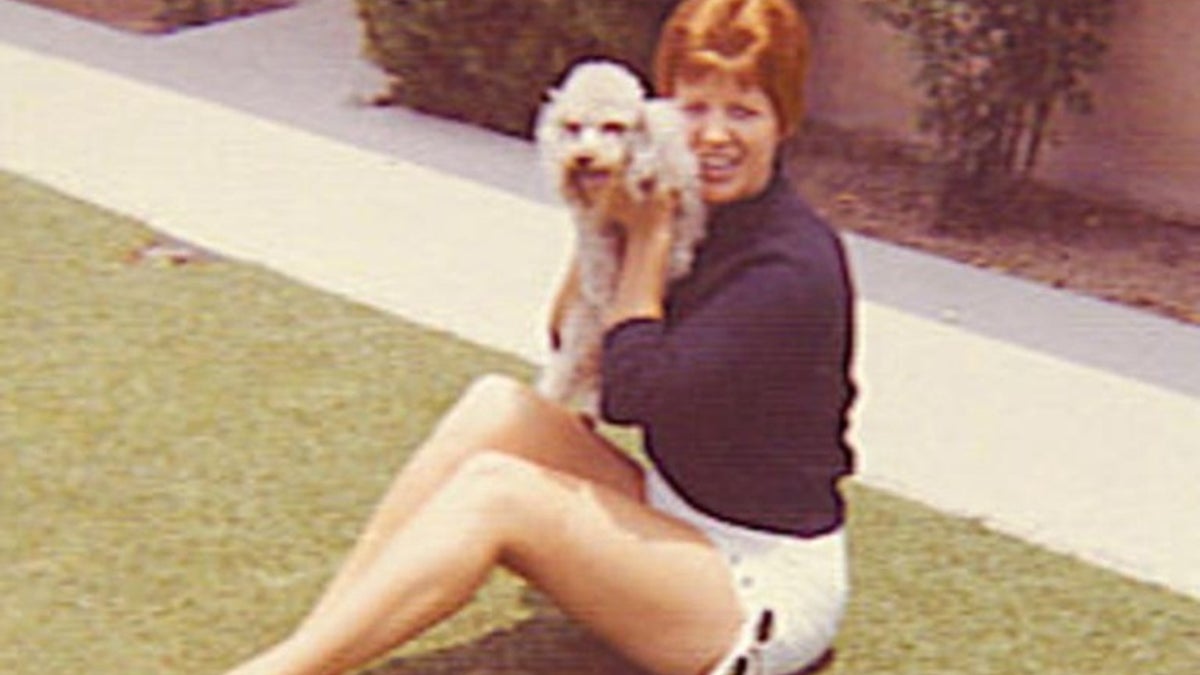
(793, 590)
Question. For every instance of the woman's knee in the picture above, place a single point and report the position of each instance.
(492, 482)
(489, 402)
(503, 389)
(493, 385)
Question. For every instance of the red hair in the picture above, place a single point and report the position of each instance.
(763, 43)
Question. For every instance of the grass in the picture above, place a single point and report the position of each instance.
(187, 451)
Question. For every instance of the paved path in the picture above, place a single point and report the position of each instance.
(1069, 422)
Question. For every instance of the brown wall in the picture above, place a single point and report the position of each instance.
(1144, 140)
(862, 71)
(1142, 143)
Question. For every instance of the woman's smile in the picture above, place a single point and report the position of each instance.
(718, 167)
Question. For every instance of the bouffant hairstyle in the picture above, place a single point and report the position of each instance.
(763, 43)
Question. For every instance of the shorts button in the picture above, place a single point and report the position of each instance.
(747, 582)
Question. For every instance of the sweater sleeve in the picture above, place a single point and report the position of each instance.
(760, 329)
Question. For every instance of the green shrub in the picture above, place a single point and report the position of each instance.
(180, 13)
(161, 16)
(995, 71)
(489, 62)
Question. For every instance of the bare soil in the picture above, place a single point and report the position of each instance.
(895, 193)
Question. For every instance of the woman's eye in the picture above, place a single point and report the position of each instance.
(573, 128)
(741, 112)
(693, 109)
(614, 128)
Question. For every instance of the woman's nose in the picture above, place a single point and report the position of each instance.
(713, 130)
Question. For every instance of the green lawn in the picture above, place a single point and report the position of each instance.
(186, 452)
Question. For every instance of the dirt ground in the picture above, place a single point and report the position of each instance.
(1111, 251)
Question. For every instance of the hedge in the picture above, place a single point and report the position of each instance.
(160, 16)
(489, 62)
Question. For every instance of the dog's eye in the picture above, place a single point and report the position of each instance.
(694, 109)
(573, 128)
(614, 128)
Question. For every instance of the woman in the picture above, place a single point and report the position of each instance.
(726, 554)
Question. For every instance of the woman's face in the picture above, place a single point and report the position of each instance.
(734, 132)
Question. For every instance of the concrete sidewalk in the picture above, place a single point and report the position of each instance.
(1068, 422)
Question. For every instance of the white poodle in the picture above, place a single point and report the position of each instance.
(599, 126)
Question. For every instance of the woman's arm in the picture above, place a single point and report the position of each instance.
(766, 327)
(641, 285)
(642, 280)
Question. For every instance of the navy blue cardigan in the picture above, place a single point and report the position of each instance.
(743, 389)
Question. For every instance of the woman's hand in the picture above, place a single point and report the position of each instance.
(646, 220)
(641, 210)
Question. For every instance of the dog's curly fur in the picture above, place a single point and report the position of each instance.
(600, 126)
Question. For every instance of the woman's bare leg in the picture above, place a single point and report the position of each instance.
(501, 415)
(652, 587)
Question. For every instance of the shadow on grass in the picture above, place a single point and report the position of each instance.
(548, 644)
